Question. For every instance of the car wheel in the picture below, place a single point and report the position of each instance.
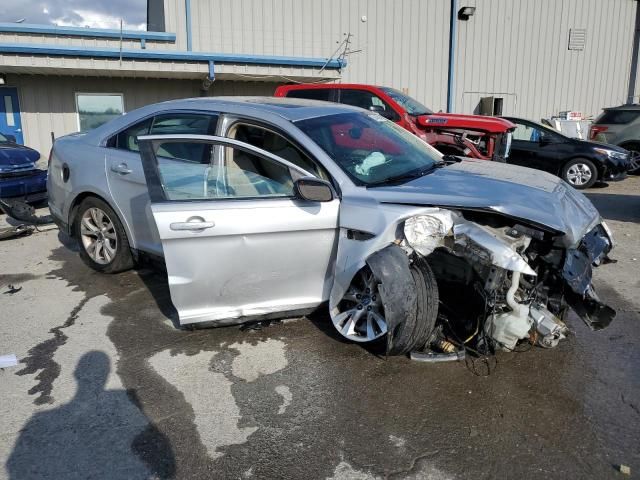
(361, 314)
(634, 148)
(580, 173)
(103, 242)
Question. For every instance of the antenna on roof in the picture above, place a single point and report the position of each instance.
(344, 45)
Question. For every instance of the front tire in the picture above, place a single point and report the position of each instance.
(580, 173)
(102, 239)
(634, 148)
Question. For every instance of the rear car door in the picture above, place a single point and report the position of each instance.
(126, 177)
(237, 242)
(534, 147)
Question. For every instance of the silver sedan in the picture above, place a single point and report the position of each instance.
(266, 208)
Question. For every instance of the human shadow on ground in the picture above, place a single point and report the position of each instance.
(93, 435)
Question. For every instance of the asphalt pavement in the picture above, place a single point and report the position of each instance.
(106, 386)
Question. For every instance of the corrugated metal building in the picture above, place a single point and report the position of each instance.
(539, 57)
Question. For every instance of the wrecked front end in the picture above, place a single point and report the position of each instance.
(448, 280)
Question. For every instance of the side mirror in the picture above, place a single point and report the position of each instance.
(313, 189)
(11, 138)
(383, 112)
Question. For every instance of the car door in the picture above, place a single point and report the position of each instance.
(126, 177)
(534, 147)
(237, 242)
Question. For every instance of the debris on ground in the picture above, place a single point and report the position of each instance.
(24, 212)
(8, 360)
(12, 290)
(15, 232)
(624, 469)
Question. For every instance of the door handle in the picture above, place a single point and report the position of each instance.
(122, 169)
(192, 226)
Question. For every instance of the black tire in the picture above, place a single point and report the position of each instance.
(634, 148)
(414, 332)
(122, 259)
(579, 182)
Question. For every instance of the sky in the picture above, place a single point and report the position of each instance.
(77, 13)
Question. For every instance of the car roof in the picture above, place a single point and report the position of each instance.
(292, 109)
(630, 106)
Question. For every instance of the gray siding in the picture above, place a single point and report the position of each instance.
(404, 43)
(48, 104)
(520, 48)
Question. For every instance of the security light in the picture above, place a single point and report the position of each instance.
(466, 12)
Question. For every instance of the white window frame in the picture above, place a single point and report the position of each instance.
(103, 94)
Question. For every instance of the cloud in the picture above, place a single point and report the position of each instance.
(77, 13)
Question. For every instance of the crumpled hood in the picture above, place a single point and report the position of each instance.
(16, 155)
(529, 195)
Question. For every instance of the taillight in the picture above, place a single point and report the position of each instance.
(595, 130)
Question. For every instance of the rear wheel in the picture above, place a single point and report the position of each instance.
(103, 242)
(580, 173)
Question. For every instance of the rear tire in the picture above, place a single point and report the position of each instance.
(580, 173)
(102, 239)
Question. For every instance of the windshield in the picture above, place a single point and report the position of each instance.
(413, 107)
(371, 149)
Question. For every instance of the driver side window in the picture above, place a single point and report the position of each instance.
(187, 172)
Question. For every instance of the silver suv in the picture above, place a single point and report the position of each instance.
(620, 126)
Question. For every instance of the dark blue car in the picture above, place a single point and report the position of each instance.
(19, 176)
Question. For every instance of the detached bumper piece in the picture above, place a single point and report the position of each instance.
(577, 273)
(22, 211)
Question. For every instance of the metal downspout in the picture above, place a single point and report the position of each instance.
(453, 35)
(633, 75)
(187, 9)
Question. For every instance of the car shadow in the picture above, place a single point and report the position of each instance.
(92, 435)
(623, 208)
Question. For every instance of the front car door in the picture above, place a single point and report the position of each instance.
(369, 101)
(237, 242)
(535, 147)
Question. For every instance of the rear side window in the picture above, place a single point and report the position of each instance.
(618, 117)
(311, 94)
(128, 139)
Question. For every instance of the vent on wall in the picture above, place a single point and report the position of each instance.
(577, 38)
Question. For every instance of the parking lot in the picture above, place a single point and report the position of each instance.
(107, 387)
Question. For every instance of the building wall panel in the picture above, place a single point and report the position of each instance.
(402, 44)
(520, 49)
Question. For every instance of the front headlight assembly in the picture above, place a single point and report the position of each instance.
(424, 233)
(611, 153)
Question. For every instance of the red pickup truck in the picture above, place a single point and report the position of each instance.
(487, 138)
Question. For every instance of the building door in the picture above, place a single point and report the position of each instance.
(10, 123)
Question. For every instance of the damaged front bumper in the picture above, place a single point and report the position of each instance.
(498, 281)
(577, 272)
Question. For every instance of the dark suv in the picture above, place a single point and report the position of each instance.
(620, 126)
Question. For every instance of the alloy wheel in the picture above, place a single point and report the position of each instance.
(634, 159)
(98, 236)
(360, 316)
(579, 174)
